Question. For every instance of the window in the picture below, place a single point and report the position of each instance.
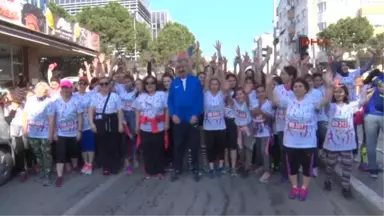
(322, 26)
(322, 7)
(297, 18)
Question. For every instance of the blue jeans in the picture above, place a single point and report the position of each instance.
(130, 118)
(373, 124)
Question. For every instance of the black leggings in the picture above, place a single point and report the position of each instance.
(231, 133)
(296, 157)
(215, 143)
(66, 147)
(153, 148)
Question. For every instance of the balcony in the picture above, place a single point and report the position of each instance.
(291, 14)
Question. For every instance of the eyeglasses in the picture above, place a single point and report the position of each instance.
(104, 84)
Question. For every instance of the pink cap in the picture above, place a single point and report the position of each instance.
(66, 83)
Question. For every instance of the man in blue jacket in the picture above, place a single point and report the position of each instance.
(185, 104)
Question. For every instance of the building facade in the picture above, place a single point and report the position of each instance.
(139, 8)
(159, 20)
(309, 17)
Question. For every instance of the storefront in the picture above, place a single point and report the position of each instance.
(29, 32)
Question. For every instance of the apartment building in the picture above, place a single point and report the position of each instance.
(159, 20)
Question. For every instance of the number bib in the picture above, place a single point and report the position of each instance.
(242, 114)
(67, 126)
(339, 123)
(280, 114)
(213, 115)
(297, 126)
(36, 125)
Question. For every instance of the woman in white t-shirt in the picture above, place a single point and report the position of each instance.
(152, 122)
(340, 139)
(213, 121)
(106, 119)
(300, 140)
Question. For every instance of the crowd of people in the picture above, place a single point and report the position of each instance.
(237, 123)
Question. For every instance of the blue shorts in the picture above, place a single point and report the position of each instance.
(87, 142)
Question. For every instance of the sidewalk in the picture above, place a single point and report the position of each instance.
(365, 188)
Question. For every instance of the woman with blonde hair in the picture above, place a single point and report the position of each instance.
(36, 129)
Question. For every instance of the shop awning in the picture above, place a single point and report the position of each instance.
(47, 45)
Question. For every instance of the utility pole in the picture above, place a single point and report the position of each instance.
(134, 29)
(274, 31)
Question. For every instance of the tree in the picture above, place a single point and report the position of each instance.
(60, 11)
(115, 25)
(377, 43)
(173, 39)
(348, 33)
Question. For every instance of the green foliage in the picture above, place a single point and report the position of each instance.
(173, 39)
(60, 11)
(115, 25)
(377, 43)
(348, 33)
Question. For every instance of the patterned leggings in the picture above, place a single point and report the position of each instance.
(42, 150)
(346, 163)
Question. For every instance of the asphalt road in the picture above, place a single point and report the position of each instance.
(131, 195)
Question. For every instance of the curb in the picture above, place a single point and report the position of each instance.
(364, 194)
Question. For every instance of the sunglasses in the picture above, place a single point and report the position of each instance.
(104, 83)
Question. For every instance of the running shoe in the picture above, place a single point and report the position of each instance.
(59, 181)
(147, 176)
(84, 169)
(328, 186)
(211, 173)
(89, 170)
(129, 170)
(294, 193)
(284, 179)
(374, 173)
(233, 172)
(23, 176)
(347, 193)
(106, 173)
(363, 167)
(265, 177)
(303, 194)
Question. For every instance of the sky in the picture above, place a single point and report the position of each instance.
(234, 23)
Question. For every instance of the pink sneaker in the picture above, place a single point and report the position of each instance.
(294, 193)
(303, 194)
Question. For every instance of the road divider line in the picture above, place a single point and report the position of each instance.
(93, 195)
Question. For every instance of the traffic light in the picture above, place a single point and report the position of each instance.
(303, 46)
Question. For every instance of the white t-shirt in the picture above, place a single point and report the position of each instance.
(242, 113)
(114, 103)
(281, 92)
(66, 116)
(151, 106)
(300, 122)
(214, 111)
(85, 102)
(127, 97)
(262, 127)
(341, 133)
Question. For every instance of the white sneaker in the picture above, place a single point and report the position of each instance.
(84, 169)
(264, 178)
(88, 170)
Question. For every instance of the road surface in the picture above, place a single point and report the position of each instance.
(131, 195)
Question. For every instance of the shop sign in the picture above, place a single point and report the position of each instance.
(10, 11)
(59, 27)
(86, 38)
(33, 18)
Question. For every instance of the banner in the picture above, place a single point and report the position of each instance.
(10, 11)
(86, 38)
(33, 18)
(59, 27)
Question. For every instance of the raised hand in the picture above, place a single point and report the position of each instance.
(101, 57)
(87, 65)
(294, 61)
(95, 62)
(225, 60)
(306, 59)
(214, 57)
(339, 52)
(238, 54)
(246, 57)
(217, 46)
(52, 66)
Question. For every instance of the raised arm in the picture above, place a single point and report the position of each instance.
(328, 89)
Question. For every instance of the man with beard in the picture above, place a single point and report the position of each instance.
(185, 104)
